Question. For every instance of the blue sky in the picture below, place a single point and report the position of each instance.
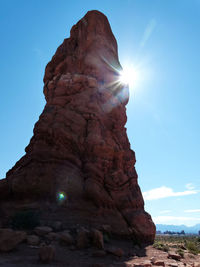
(161, 40)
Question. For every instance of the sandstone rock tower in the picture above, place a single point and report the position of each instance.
(80, 146)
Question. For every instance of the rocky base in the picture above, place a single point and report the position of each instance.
(86, 249)
(55, 241)
(72, 217)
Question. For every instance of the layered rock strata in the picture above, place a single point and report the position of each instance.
(80, 146)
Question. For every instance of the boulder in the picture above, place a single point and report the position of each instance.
(33, 240)
(158, 262)
(43, 230)
(115, 251)
(9, 239)
(97, 238)
(174, 256)
(66, 238)
(46, 253)
(83, 240)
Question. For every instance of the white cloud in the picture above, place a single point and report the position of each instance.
(164, 192)
(189, 186)
(176, 220)
(197, 210)
(165, 211)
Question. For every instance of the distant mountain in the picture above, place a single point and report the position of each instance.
(177, 228)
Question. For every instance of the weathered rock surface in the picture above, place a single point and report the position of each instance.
(80, 146)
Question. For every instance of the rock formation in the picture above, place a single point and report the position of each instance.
(80, 146)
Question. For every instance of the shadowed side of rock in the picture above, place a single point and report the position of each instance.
(80, 146)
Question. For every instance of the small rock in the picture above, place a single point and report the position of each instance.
(52, 236)
(116, 251)
(83, 238)
(46, 253)
(152, 259)
(99, 253)
(97, 237)
(33, 240)
(174, 264)
(147, 263)
(57, 226)
(174, 256)
(43, 230)
(66, 238)
(138, 265)
(159, 263)
(9, 239)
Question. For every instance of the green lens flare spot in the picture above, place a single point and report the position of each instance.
(61, 196)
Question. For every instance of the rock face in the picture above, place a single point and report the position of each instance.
(80, 146)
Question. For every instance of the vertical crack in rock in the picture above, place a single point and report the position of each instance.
(80, 145)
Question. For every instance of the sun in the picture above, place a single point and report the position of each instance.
(128, 76)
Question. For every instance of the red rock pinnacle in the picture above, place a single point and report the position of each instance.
(80, 146)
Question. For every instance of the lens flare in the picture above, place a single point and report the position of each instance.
(128, 76)
(61, 196)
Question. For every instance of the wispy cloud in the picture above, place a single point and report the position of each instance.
(165, 211)
(190, 186)
(148, 31)
(164, 192)
(176, 220)
(192, 211)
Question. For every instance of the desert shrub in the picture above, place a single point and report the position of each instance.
(192, 247)
(180, 252)
(161, 246)
(26, 219)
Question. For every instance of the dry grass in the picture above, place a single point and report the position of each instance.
(181, 243)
